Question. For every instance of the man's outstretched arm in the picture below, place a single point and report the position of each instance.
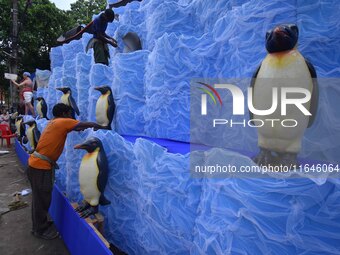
(84, 125)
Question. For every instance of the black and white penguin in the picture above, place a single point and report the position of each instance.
(67, 99)
(283, 66)
(93, 175)
(41, 107)
(32, 133)
(20, 129)
(105, 107)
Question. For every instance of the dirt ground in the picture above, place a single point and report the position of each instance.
(15, 226)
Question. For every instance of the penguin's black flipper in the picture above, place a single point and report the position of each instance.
(111, 110)
(44, 109)
(103, 200)
(103, 176)
(315, 94)
(74, 105)
(36, 134)
(252, 85)
(24, 139)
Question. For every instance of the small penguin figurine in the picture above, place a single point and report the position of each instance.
(105, 107)
(20, 129)
(67, 99)
(283, 63)
(42, 107)
(93, 174)
(33, 134)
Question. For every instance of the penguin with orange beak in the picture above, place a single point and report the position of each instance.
(283, 67)
(105, 107)
(68, 99)
(93, 175)
(41, 107)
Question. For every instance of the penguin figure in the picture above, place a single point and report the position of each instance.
(105, 107)
(20, 129)
(283, 63)
(32, 133)
(67, 99)
(42, 107)
(93, 174)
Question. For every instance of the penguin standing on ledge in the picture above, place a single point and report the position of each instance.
(283, 67)
(93, 174)
(67, 99)
(105, 107)
(42, 107)
(20, 129)
(33, 134)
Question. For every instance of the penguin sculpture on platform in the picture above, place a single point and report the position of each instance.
(20, 129)
(42, 108)
(283, 67)
(33, 134)
(93, 175)
(67, 99)
(105, 107)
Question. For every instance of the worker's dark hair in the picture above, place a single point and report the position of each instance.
(110, 15)
(60, 109)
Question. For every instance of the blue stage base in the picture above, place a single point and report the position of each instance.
(78, 236)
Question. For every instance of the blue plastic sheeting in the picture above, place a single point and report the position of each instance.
(169, 145)
(83, 67)
(22, 155)
(56, 57)
(128, 90)
(156, 207)
(42, 77)
(71, 49)
(70, 226)
(52, 99)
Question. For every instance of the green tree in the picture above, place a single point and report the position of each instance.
(83, 10)
(43, 24)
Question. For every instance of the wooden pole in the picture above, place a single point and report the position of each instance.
(14, 53)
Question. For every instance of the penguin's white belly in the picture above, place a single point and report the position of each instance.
(64, 99)
(30, 137)
(88, 175)
(101, 110)
(289, 71)
(39, 110)
(17, 125)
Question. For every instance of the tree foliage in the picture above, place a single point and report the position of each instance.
(83, 10)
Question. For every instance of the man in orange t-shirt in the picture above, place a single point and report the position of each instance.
(41, 165)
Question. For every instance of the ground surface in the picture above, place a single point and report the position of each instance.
(15, 226)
